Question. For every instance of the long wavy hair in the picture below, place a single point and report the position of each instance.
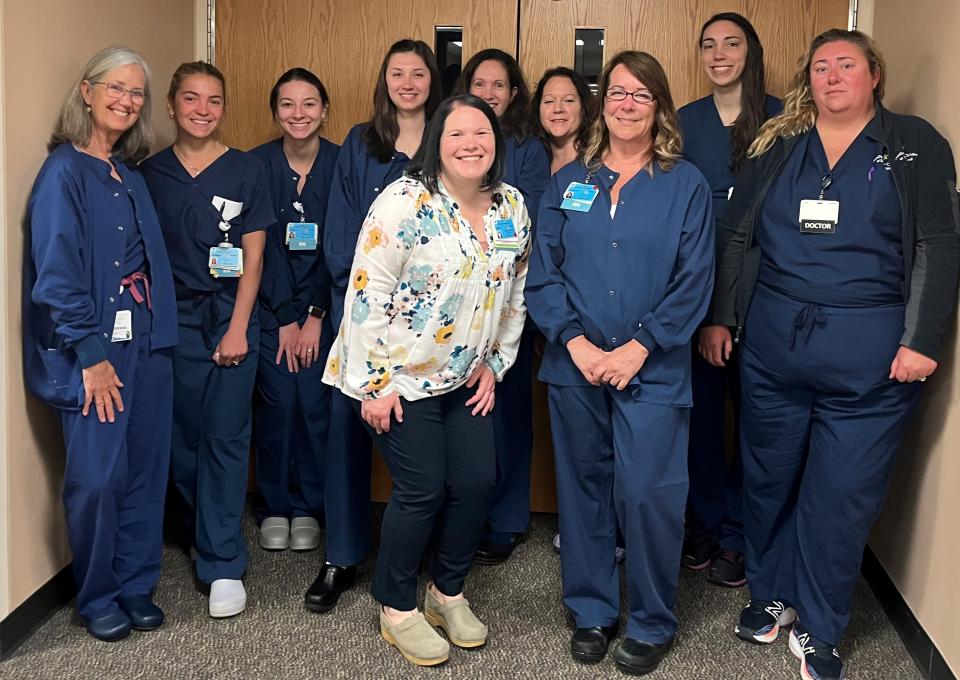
(799, 109)
(667, 141)
(514, 121)
(753, 95)
(382, 131)
(75, 124)
(587, 106)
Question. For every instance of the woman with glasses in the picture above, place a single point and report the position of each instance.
(717, 130)
(214, 209)
(98, 327)
(620, 277)
(373, 155)
(293, 414)
(495, 77)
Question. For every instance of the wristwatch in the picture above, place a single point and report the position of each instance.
(316, 312)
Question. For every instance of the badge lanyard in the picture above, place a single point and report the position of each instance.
(298, 206)
(224, 226)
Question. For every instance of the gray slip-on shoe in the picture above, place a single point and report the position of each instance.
(304, 533)
(456, 618)
(416, 640)
(274, 533)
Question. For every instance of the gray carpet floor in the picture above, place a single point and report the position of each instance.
(520, 601)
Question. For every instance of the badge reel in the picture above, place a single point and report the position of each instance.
(226, 261)
(301, 235)
(579, 197)
(820, 216)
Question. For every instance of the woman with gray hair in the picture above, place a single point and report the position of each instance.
(99, 320)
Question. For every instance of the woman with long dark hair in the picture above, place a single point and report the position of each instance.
(495, 77)
(373, 155)
(717, 130)
(560, 114)
(293, 412)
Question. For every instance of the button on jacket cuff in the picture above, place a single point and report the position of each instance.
(90, 351)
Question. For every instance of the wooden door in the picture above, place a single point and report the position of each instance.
(343, 41)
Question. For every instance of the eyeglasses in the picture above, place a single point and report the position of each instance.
(639, 96)
(116, 91)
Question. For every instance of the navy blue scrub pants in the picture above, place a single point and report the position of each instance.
(716, 487)
(211, 434)
(293, 422)
(346, 470)
(443, 466)
(821, 424)
(116, 476)
(513, 434)
(620, 462)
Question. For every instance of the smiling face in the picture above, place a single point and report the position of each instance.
(723, 52)
(300, 110)
(491, 83)
(628, 120)
(467, 146)
(408, 81)
(841, 81)
(110, 115)
(197, 107)
(561, 110)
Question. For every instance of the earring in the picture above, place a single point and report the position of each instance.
(89, 109)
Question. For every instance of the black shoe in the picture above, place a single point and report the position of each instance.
(110, 628)
(325, 590)
(589, 645)
(637, 657)
(761, 620)
(698, 549)
(143, 613)
(496, 553)
(817, 658)
(728, 569)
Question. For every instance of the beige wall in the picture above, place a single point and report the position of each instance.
(44, 45)
(917, 538)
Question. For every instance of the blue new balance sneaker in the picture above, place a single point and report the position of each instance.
(761, 620)
(818, 660)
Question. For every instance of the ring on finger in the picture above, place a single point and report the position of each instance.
(923, 379)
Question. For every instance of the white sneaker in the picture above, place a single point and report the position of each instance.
(274, 533)
(304, 533)
(228, 597)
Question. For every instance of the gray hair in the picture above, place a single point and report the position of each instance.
(75, 125)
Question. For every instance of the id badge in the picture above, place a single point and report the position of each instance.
(506, 236)
(819, 217)
(579, 197)
(225, 261)
(123, 326)
(301, 235)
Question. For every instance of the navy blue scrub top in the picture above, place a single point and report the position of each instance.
(527, 169)
(81, 221)
(706, 144)
(645, 274)
(190, 221)
(358, 179)
(294, 279)
(859, 265)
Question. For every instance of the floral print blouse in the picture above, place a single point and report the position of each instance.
(426, 304)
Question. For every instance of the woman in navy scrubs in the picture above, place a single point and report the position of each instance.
(620, 277)
(372, 156)
(293, 413)
(561, 111)
(212, 201)
(495, 77)
(841, 241)
(94, 232)
(717, 130)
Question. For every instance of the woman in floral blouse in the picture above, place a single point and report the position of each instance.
(432, 322)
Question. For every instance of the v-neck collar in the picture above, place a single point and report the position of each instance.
(452, 208)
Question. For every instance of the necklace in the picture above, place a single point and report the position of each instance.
(193, 169)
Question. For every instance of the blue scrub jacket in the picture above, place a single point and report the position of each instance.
(71, 281)
(646, 274)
